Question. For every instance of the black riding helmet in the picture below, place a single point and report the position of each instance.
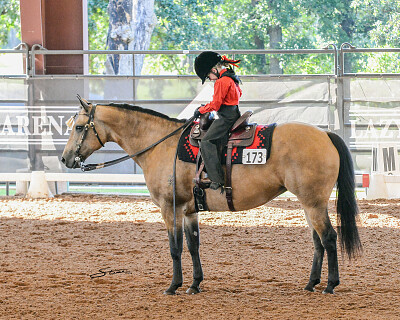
(204, 62)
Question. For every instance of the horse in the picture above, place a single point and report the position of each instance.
(304, 160)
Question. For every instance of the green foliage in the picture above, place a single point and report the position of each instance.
(9, 19)
(97, 23)
(234, 24)
(98, 28)
(184, 24)
(248, 24)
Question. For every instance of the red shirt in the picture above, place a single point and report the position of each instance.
(226, 91)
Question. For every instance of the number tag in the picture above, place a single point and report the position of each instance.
(254, 156)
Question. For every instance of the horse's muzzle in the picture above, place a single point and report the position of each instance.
(71, 165)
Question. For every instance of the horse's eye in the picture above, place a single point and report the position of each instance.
(79, 128)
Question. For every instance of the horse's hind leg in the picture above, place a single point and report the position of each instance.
(315, 276)
(192, 233)
(329, 239)
(319, 220)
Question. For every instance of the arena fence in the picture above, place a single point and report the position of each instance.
(362, 107)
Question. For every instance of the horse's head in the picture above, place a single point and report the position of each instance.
(87, 135)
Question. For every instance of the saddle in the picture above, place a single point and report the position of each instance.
(241, 135)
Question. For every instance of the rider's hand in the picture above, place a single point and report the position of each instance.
(197, 113)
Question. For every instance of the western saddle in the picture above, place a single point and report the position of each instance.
(241, 135)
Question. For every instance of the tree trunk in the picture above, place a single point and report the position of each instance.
(130, 28)
(261, 60)
(347, 26)
(275, 39)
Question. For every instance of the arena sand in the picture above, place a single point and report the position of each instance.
(255, 263)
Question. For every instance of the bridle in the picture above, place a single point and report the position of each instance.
(88, 125)
(94, 166)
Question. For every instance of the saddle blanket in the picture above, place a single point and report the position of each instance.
(262, 140)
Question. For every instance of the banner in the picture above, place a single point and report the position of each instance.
(43, 126)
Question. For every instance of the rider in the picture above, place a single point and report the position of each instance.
(213, 66)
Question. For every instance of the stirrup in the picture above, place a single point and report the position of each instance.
(202, 183)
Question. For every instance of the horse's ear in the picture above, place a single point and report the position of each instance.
(84, 103)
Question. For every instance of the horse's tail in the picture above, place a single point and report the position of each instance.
(347, 208)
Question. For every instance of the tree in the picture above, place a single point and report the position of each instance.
(98, 27)
(266, 24)
(380, 20)
(239, 24)
(262, 23)
(380, 27)
(131, 23)
(9, 19)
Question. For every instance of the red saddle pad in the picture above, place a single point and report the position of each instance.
(262, 140)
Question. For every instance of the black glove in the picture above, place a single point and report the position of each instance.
(197, 113)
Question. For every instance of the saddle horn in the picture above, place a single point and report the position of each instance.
(84, 102)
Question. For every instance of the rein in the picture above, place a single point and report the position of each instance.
(94, 166)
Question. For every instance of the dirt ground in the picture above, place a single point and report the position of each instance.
(255, 263)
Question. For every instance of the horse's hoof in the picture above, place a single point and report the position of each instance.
(172, 289)
(309, 288)
(193, 290)
(169, 293)
(311, 284)
(328, 291)
(331, 285)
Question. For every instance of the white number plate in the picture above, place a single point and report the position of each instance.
(254, 156)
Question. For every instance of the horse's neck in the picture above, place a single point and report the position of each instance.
(134, 131)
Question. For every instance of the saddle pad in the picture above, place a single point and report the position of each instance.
(262, 140)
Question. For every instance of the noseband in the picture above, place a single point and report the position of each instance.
(89, 124)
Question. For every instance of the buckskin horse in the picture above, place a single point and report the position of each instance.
(304, 160)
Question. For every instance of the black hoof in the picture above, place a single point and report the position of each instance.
(309, 288)
(331, 285)
(193, 290)
(328, 291)
(169, 292)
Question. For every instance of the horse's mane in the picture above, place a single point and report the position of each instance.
(143, 110)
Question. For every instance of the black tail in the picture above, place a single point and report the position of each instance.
(347, 208)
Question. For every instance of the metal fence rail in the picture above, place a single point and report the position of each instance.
(339, 99)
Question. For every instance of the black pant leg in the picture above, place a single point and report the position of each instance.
(216, 136)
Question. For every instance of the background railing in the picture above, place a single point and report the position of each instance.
(363, 107)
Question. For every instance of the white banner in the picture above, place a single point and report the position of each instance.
(21, 126)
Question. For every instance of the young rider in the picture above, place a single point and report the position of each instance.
(213, 66)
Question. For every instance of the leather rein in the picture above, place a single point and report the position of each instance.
(94, 166)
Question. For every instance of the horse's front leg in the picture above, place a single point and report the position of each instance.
(176, 254)
(192, 234)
